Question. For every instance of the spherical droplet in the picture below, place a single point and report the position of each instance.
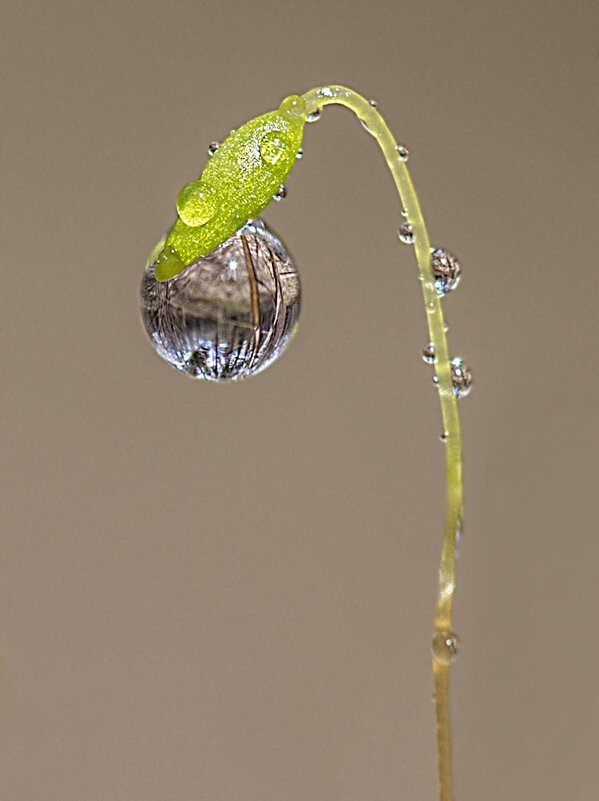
(373, 103)
(446, 270)
(428, 353)
(461, 378)
(406, 233)
(300, 154)
(213, 147)
(197, 203)
(273, 147)
(403, 152)
(446, 646)
(230, 314)
(294, 106)
(444, 436)
(281, 193)
(314, 115)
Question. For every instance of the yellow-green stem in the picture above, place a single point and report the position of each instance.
(375, 124)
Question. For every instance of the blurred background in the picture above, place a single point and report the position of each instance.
(227, 592)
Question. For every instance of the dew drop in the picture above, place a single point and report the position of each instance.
(300, 154)
(167, 263)
(406, 233)
(444, 436)
(213, 147)
(461, 378)
(446, 270)
(373, 103)
(314, 115)
(428, 353)
(230, 314)
(273, 147)
(404, 212)
(280, 193)
(446, 646)
(403, 152)
(197, 203)
(365, 125)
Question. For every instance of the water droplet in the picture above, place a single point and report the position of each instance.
(404, 212)
(435, 379)
(446, 646)
(365, 125)
(273, 147)
(406, 233)
(197, 203)
(167, 263)
(314, 115)
(294, 106)
(280, 193)
(230, 314)
(444, 436)
(300, 154)
(373, 103)
(428, 353)
(461, 378)
(404, 153)
(213, 147)
(446, 270)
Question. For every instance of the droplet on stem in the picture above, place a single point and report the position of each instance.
(406, 233)
(446, 646)
(428, 353)
(314, 115)
(280, 193)
(461, 378)
(213, 147)
(446, 270)
(403, 152)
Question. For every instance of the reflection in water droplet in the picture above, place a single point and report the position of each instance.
(406, 233)
(314, 115)
(446, 646)
(197, 203)
(273, 147)
(461, 378)
(446, 270)
(428, 353)
(230, 314)
(213, 147)
(280, 193)
(404, 153)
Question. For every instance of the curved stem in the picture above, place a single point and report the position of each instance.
(375, 124)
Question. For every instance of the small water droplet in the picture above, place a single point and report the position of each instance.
(197, 203)
(435, 379)
(444, 436)
(446, 270)
(213, 147)
(446, 646)
(373, 103)
(273, 147)
(428, 353)
(406, 233)
(461, 378)
(365, 125)
(314, 115)
(404, 212)
(404, 153)
(280, 193)
(300, 154)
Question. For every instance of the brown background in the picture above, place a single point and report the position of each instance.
(226, 592)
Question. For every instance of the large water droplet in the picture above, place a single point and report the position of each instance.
(403, 152)
(213, 147)
(406, 233)
(273, 147)
(197, 203)
(461, 378)
(446, 646)
(446, 270)
(315, 115)
(230, 314)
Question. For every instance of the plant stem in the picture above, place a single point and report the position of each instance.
(316, 99)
